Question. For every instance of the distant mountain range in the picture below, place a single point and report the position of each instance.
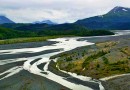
(117, 18)
(45, 22)
(4, 19)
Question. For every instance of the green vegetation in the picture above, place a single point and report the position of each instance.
(98, 61)
(92, 57)
(20, 33)
(69, 59)
(75, 32)
(6, 33)
(106, 61)
(29, 39)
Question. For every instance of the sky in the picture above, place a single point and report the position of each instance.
(60, 11)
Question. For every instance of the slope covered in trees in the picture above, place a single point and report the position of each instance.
(11, 31)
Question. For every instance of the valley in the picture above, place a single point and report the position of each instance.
(78, 52)
(37, 64)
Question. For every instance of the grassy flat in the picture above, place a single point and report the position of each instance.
(100, 60)
(25, 40)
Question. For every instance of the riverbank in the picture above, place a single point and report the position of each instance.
(27, 40)
(119, 82)
(28, 81)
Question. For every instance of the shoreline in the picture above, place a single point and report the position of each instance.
(113, 77)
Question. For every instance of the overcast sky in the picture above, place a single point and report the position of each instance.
(25, 11)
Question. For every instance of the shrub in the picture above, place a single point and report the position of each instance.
(105, 60)
(69, 59)
(92, 57)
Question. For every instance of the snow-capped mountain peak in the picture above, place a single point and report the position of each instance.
(119, 9)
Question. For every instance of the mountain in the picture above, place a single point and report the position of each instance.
(71, 30)
(65, 27)
(40, 27)
(4, 19)
(26, 26)
(119, 11)
(7, 33)
(45, 22)
(31, 27)
(34, 30)
(117, 18)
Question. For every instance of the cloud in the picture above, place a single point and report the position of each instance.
(57, 10)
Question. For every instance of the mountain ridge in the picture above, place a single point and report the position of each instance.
(117, 18)
(4, 19)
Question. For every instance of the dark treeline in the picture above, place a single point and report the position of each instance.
(8, 31)
(75, 33)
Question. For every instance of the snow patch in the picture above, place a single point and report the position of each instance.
(124, 10)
